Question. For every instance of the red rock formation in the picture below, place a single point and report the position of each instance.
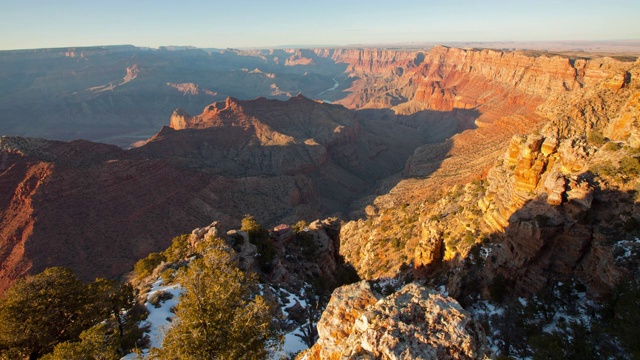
(132, 73)
(97, 208)
(513, 94)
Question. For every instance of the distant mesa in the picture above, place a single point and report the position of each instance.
(191, 89)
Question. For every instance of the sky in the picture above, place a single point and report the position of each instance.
(27, 24)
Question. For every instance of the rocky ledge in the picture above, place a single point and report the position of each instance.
(413, 323)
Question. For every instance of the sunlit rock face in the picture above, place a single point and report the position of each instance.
(413, 323)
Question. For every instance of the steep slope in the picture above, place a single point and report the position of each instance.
(282, 161)
(604, 102)
(511, 92)
(78, 204)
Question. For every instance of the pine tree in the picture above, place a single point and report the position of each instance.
(220, 314)
(38, 312)
(96, 343)
(55, 309)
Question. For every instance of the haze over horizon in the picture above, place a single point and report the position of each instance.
(72, 23)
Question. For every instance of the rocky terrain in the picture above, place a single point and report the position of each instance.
(413, 323)
(506, 180)
(66, 203)
(555, 210)
(395, 215)
(122, 94)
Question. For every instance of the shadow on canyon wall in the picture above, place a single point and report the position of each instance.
(544, 266)
(98, 209)
(587, 240)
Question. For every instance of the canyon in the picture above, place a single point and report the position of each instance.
(487, 173)
(66, 203)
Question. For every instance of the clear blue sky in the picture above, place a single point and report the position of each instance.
(251, 23)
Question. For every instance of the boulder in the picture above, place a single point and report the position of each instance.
(413, 323)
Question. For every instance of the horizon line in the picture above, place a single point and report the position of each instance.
(635, 42)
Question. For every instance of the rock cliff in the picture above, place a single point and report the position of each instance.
(547, 200)
(509, 92)
(68, 203)
(413, 323)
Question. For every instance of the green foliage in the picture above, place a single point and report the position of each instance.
(238, 240)
(613, 146)
(144, 267)
(633, 151)
(596, 138)
(179, 249)
(109, 298)
(476, 256)
(629, 167)
(259, 236)
(220, 312)
(557, 345)
(255, 231)
(300, 225)
(622, 315)
(346, 274)
(547, 346)
(469, 238)
(498, 289)
(39, 312)
(631, 225)
(606, 168)
(168, 276)
(542, 220)
(267, 253)
(96, 343)
(309, 246)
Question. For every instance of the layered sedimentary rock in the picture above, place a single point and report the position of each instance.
(79, 204)
(413, 323)
(283, 161)
(540, 195)
(504, 93)
(122, 94)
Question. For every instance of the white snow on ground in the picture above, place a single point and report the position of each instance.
(522, 301)
(485, 251)
(292, 343)
(583, 306)
(485, 309)
(389, 281)
(159, 317)
(628, 246)
(582, 310)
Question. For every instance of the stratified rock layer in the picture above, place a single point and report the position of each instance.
(560, 102)
(97, 208)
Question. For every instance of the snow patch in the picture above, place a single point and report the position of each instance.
(159, 317)
(292, 340)
(628, 247)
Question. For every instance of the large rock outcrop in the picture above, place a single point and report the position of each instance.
(413, 323)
